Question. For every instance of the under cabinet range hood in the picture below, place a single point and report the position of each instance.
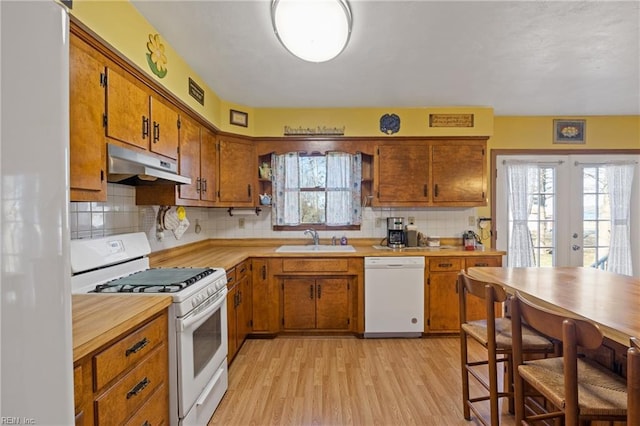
(129, 167)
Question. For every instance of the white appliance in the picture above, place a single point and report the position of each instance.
(393, 296)
(197, 317)
(35, 291)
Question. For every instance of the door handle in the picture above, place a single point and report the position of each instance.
(575, 247)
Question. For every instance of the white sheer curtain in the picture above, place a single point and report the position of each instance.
(520, 252)
(344, 174)
(286, 181)
(343, 189)
(619, 179)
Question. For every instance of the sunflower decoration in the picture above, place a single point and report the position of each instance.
(156, 58)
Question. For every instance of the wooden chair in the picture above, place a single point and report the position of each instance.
(633, 382)
(494, 334)
(579, 389)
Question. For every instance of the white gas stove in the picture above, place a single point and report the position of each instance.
(197, 316)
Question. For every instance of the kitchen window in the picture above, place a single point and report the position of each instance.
(319, 190)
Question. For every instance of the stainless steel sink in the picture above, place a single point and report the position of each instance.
(321, 248)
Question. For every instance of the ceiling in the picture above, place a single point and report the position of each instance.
(521, 58)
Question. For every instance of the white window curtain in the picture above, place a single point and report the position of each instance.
(620, 178)
(286, 181)
(344, 175)
(343, 189)
(520, 252)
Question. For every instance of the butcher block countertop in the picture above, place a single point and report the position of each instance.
(228, 253)
(99, 319)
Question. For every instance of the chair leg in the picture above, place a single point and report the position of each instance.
(508, 383)
(465, 375)
(493, 386)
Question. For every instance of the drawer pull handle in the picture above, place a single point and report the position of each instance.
(481, 264)
(146, 423)
(445, 265)
(137, 347)
(138, 388)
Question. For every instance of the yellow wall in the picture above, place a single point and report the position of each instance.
(602, 132)
(122, 26)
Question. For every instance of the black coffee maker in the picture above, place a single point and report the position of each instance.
(395, 232)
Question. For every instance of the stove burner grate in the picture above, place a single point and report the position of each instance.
(157, 280)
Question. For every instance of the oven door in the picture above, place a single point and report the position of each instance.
(202, 348)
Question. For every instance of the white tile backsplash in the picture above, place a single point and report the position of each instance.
(119, 214)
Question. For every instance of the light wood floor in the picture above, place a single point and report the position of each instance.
(346, 381)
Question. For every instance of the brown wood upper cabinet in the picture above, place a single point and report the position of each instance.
(139, 117)
(87, 151)
(238, 172)
(197, 160)
(447, 172)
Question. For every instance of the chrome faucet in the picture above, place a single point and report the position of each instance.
(314, 235)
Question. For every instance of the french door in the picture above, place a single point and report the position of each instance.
(568, 212)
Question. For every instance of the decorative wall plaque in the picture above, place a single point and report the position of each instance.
(314, 131)
(450, 120)
(196, 91)
(389, 124)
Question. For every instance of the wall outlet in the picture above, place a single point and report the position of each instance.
(472, 220)
(411, 220)
(241, 222)
(379, 222)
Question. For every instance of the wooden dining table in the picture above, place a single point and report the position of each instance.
(610, 300)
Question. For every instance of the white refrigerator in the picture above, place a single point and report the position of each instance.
(36, 371)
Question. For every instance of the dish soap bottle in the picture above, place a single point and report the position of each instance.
(343, 240)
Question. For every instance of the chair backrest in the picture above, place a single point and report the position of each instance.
(479, 289)
(556, 325)
(633, 382)
(491, 293)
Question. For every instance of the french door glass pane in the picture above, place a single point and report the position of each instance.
(596, 229)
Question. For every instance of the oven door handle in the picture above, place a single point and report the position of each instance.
(202, 312)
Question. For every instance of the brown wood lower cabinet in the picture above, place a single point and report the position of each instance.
(126, 381)
(316, 303)
(239, 312)
(441, 295)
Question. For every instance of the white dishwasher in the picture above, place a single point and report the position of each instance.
(393, 296)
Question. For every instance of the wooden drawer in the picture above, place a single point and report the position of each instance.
(242, 270)
(78, 386)
(446, 264)
(129, 350)
(130, 392)
(231, 277)
(315, 265)
(154, 411)
(472, 262)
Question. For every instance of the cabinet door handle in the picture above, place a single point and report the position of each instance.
(156, 132)
(239, 298)
(198, 185)
(137, 347)
(319, 291)
(138, 388)
(249, 190)
(264, 272)
(310, 291)
(145, 127)
(435, 191)
(204, 185)
(425, 190)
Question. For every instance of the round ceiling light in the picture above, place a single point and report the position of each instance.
(313, 30)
